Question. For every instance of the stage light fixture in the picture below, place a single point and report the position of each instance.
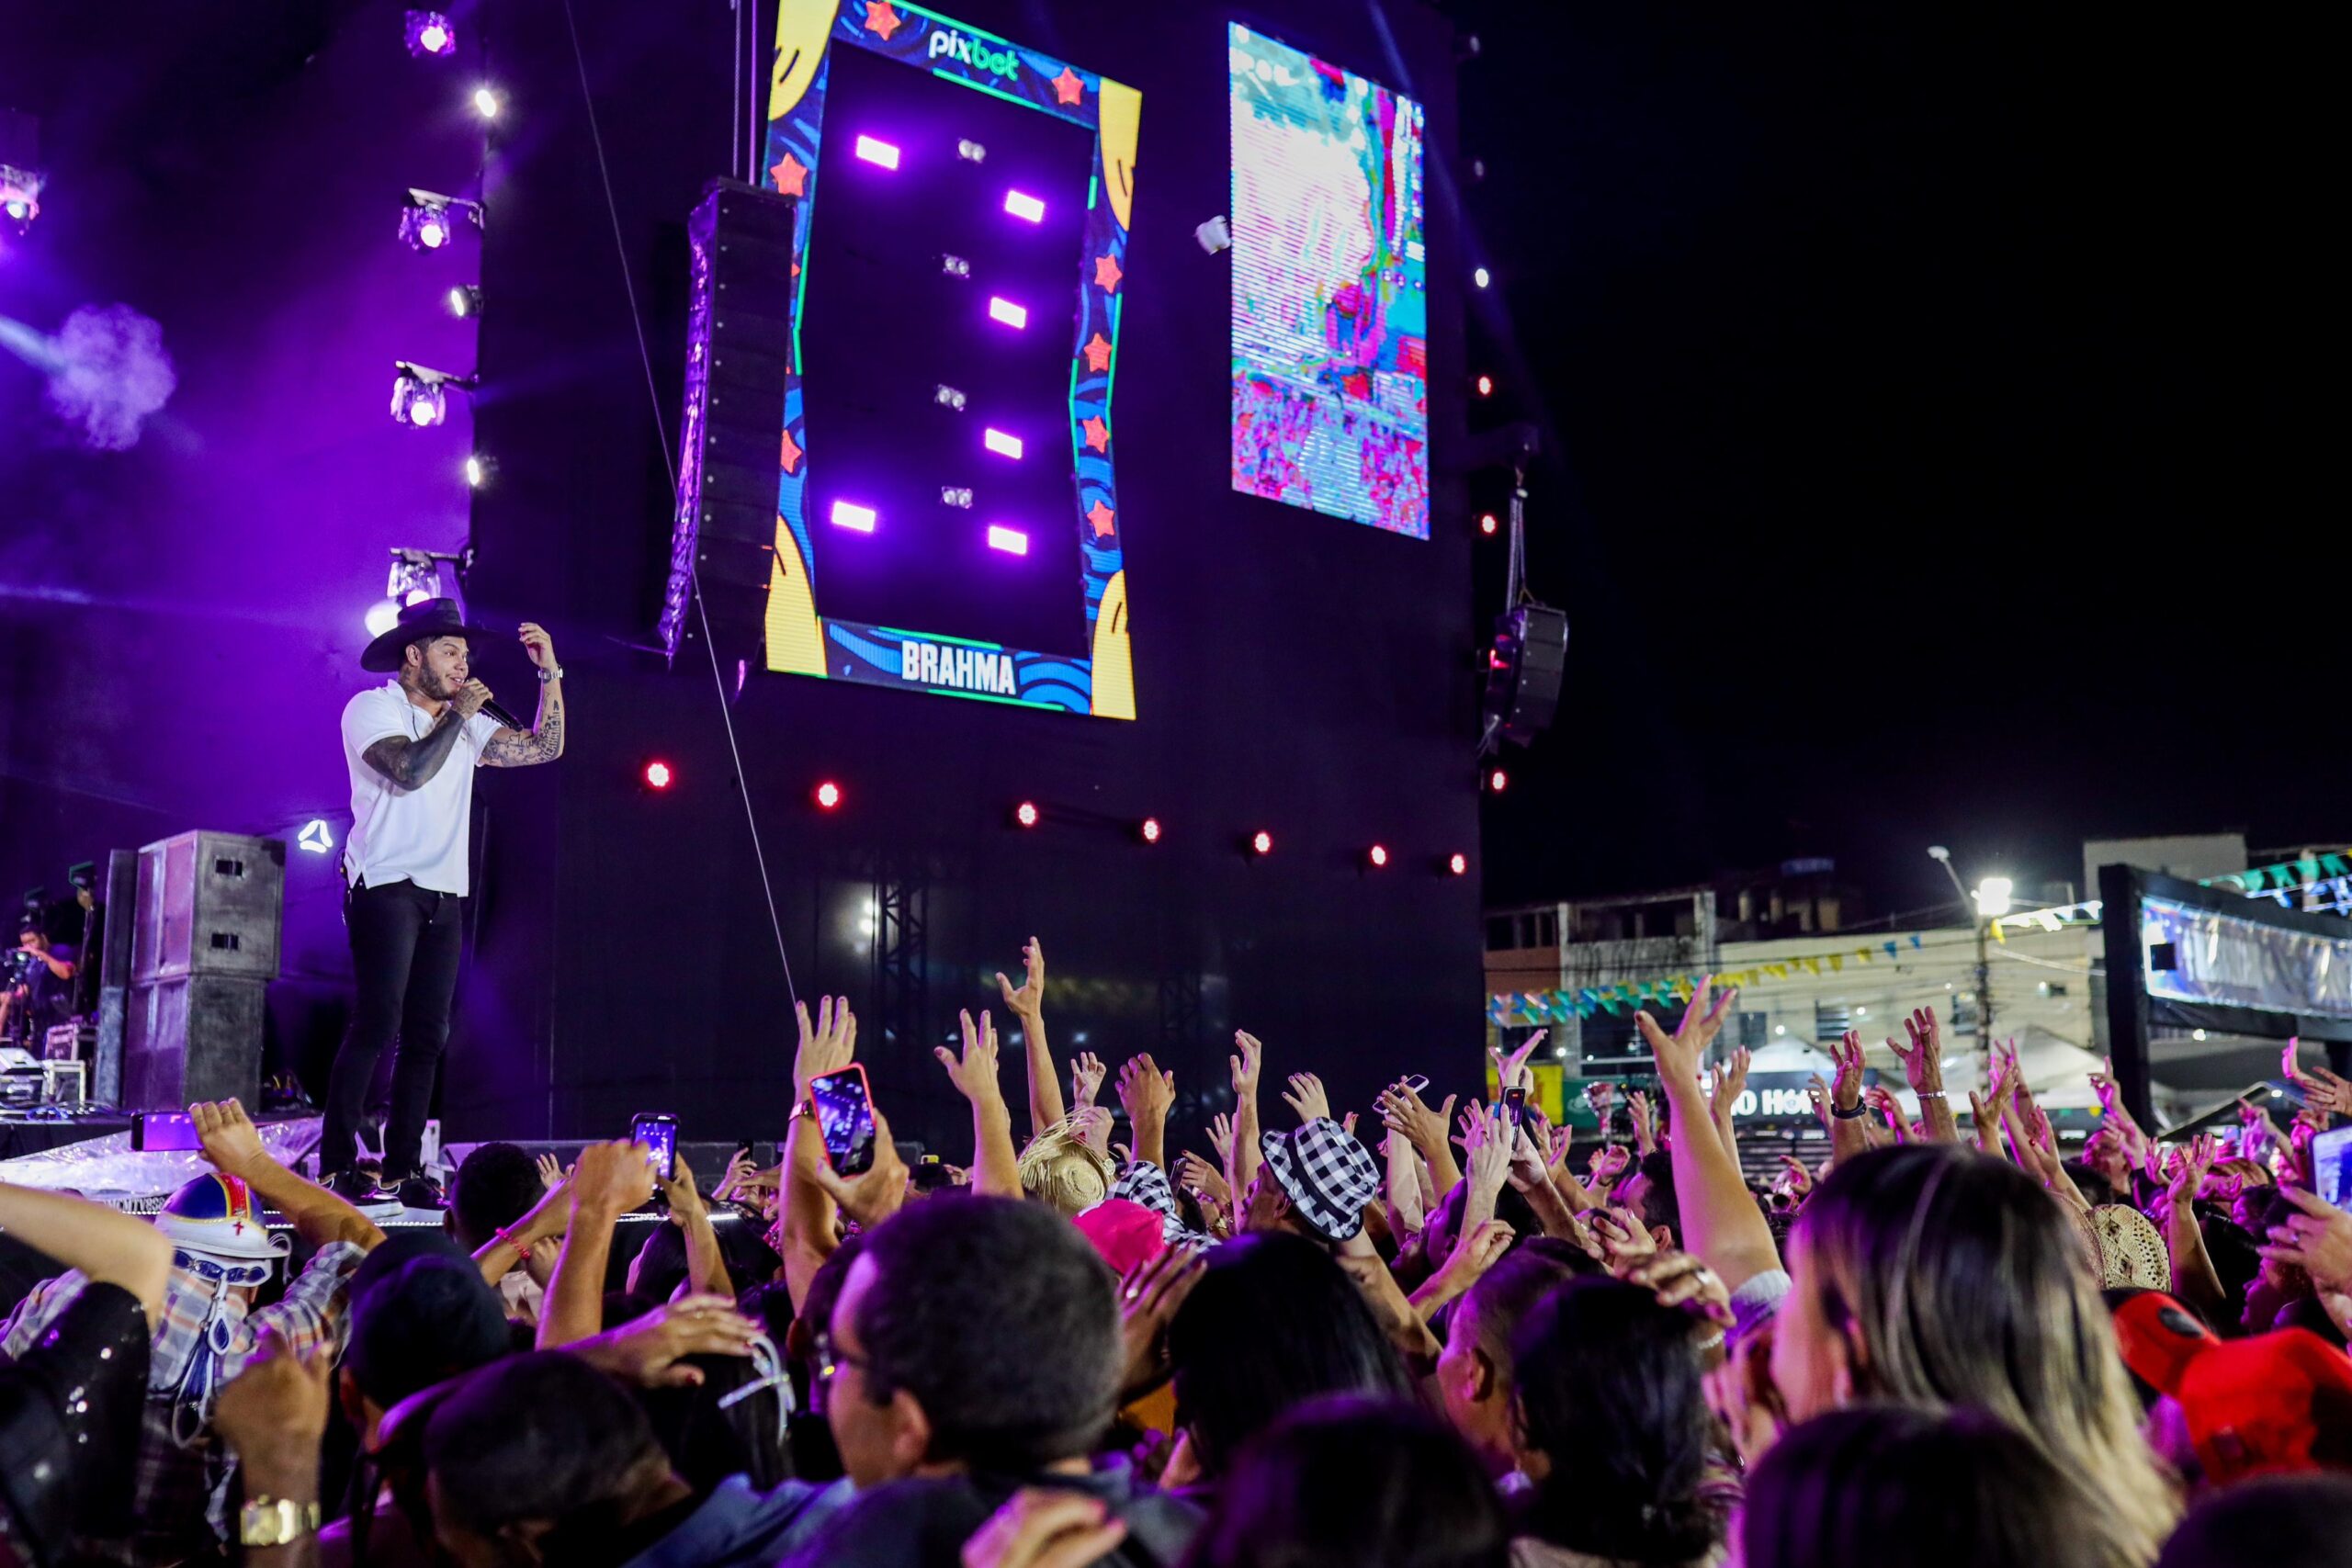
(998, 442)
(429, 221)
(19, 193)
(1487, 523)
(948, 397)
(1026, 814)
(382, 616)
(658, 775)
(316, 838)
(487, 103)
(827, 796)
(1011, 541)
(1005, 311)
(1023, 206)
(465, 301)
(874, 151)
(954, 266)
(1496, 781)
(849, 515)
(1486, 386)
(420, 395)
(967, 148)
(478, 471)
(955, 495)
(1376, 856)
(1262, 842)
(1481, 277)
(1459, 864)
(429, 33)
(1148, 830)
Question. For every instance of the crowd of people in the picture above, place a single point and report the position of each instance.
(1409, 1337)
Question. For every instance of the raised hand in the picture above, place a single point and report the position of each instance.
(1817, 1091)
(1678, 1054)
(827, 1045)
(551, 1171)
(1403, 1110)
(1148, 1297)
(228, 1136)
(1625, 1242)
(613, 1178)
(1086, 1072)
(1221, 1137)
(1645, 1116)
(1678, 1280)
(1607, 1163)
(1528, 1167)
(1306, 1097)
(680, 1192)
(2322, 1090)
(974, 1073)
(1846, 1056)
(1513, 1072)
(1488, 1140)
(1795, 1178)
(1197, 1175)
(2318, 1240)
(1092, 1125)
(1923, 1057)
(651, 1350)
(1473, 1255)
(1888, 1107)
(1248, 1060)
(1147, 1093)
(277, 1405)
(1028, 999)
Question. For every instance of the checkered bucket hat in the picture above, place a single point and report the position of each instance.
(1327, 1176)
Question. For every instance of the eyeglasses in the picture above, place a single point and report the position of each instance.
(831, 1359)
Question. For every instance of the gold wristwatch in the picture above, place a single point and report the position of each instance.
(275, 1521)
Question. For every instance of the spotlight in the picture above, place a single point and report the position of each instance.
(827, 796)
(1376, 856)
(1481, 277)
(465, 301)
(1011, 541)
(382, 616)
(1262, 842)
(849, 515)
(1487, 523)
(658, 775)
(948, 397)
(877, 151)
(487, 103)
(998, 442)
(1021, 206)
(954, 266)
(316, 838)
(428, 222)
(1486, 386)
(429, 32)
(1026, 814)
(972, 150)
(1496, 781)
(478, 471)
(19, 187)
(957, 496)
(1148, 830)
(1005, 311)
(420, 395)
(1459, 864)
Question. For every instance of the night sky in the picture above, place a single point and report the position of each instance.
(1937, 410)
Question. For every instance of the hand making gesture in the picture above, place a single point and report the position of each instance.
(827, 1045)
(1028, 998)
(1306, 1097)
(1678, 1054)
(2322, 1090)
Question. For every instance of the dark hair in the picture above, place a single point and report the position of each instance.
(1511, 1207)
(660, 1263)
(1002, 1321)
(1608, 1391)
(496, 1185)
(426, 1319)
(539, 1436)
(1660, 1206)
(1507, 1292)
(2280, 1521)
(1957, 1490)
(1350, 1483)
(1274, 1322)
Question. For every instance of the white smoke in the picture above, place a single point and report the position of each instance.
(107, 371)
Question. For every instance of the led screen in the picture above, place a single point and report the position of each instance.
(1330, 364)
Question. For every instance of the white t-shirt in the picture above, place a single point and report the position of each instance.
(407, 835)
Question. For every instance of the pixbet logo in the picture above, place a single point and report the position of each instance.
(956, 46)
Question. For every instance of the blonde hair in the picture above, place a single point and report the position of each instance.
(1060, 1170)
(1962, 1284)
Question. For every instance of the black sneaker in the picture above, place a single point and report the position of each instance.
(421, 1192)
(352, 1185)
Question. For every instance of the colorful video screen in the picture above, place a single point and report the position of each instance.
(1330, 301)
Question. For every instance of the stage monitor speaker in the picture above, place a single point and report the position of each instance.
(209, 904)
(739, 344)
(114, 975)
(1524, 671)
(189, 1038)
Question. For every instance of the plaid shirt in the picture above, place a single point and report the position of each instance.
(181, 1495)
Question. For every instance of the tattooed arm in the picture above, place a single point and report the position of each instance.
(543, 742)
(412, 764)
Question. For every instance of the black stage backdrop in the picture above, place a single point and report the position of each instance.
(1294, 672)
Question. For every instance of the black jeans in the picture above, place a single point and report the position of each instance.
(405, 941)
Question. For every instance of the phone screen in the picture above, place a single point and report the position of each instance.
(2332, 1166)
(845, 1116)
(658, 1133)
(1515, 1105)
(153, 1130)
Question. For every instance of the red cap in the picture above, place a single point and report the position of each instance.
(1127, 1234)
(2159, 1337)
(2280, 1401)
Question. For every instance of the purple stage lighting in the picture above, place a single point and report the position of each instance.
(875, 152)
(424, 226)
(429, 32)
(1011, 541)
(849, 515)
(1027, 207)
(418, 402)
(1005, 311)
(1004, 445)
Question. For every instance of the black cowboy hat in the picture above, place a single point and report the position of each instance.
(420, 622)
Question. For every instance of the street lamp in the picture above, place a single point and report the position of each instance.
(1990, 901)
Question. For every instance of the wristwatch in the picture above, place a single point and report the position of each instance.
(275, 1521)
(554, 673)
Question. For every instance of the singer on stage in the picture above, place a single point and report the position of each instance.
(412, 744)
